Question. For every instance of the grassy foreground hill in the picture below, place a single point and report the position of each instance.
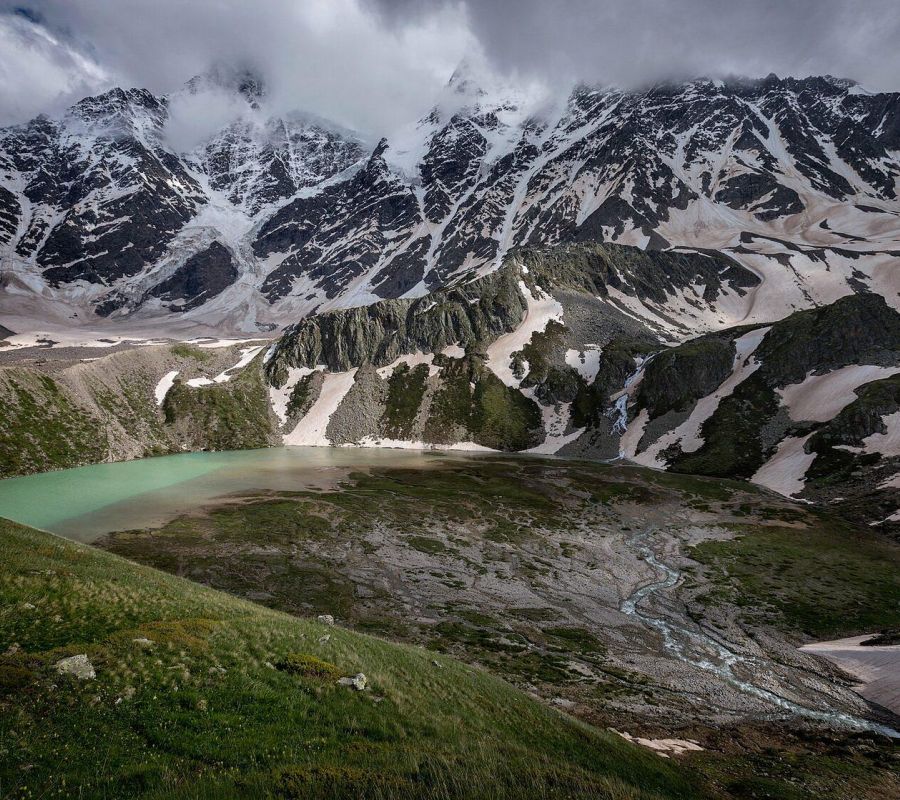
(197, 694)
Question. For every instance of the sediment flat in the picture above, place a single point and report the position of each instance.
(876, 667)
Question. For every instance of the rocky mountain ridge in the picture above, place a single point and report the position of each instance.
(793, 179)
(534, 357)
(667, 276)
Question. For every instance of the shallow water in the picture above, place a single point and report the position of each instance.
(86, 502)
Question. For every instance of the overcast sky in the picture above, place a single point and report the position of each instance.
(371, 64)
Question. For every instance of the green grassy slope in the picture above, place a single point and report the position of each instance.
(201, 712)
(826, 581)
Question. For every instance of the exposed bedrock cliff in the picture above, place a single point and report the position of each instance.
(473, 313)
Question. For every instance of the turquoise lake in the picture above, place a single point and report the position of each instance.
(87, 502)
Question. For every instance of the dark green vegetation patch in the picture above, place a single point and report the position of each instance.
(406, 388)
(823, 581)
(676, 379)
(473, 403)
(230, 416)
(308, 666)
(41, 428)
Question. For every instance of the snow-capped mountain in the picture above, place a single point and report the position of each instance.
(272, 217)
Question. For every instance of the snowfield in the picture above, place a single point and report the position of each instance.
(785, 472)
(887, 443)
(311, 430)
(820, 398)
(585, 362)
(165, 383)
(539, 313)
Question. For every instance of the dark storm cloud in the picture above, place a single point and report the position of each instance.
(631, 42)
(370, 64)
(331, 57)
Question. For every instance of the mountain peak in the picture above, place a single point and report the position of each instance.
(242, 80)
(466, 80)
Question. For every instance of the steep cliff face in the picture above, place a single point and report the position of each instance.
(468, 314)
(619, 281)
(103, 196)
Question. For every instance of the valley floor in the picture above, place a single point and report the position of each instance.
(647, 606)
(660, 606)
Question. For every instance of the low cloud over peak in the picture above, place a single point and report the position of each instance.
(371, 65)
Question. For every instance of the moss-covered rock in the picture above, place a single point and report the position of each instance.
(473, 404)
(733, 444)
(234, 415)
(303, 395)
(308, 666)
(553, 380)
(502, 417)
(857, 329)
(406, 390)
(675, 379)
(450, 413)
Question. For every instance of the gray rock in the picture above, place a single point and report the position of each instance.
(79, 666)
(325, 619)
(359, 415)
(358, 682)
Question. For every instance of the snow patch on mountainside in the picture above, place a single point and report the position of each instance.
(541, 309)
(311, 430)
(555, 420)
(785, 472)
(887, 443)
(585, 362)
(631, 439)
(820, 398)
(162, 388)
(279, 398)
(247, 355)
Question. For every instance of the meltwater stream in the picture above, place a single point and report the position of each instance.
(676, 636)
